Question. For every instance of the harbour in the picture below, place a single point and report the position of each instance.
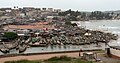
(87, 25)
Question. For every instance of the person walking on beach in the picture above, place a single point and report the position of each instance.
(80, 52)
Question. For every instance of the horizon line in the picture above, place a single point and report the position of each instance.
(60, 8)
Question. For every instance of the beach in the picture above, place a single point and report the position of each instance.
(38, 57)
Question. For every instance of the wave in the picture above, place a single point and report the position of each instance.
(109, 27)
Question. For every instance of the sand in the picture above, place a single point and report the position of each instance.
(38, 57)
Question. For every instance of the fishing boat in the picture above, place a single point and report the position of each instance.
(22, 48)
(5, 51)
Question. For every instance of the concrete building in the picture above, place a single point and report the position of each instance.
(50, 9)
(57, 10)
(4, 9)
(2, 12)
(50, 18)
(44, 9)
(114, 52)
(28, 8)
(8, 10)
(22, 14)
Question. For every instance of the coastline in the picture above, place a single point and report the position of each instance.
(38, 56)
(19, 54)
(98, 20)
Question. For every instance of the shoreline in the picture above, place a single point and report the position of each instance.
(96, 20)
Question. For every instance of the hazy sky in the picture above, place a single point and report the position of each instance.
(83, 5)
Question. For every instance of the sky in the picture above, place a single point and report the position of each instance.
(81, 5)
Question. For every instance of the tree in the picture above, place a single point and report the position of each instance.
(42, 18)
(68, 23)
(112, 13)
(72, 13)
(74, 24)
(83, 15)
(55, 18)
(11, 35)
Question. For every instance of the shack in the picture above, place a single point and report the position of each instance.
(89, 56)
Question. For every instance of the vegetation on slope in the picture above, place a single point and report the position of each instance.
(61, 59)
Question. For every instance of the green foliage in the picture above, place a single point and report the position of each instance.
(23, 61)
(80, 61)
(53, 59)
(100, 15)
(68, 23)
(61, 58)
(42, 18)
(71, 24)
(65, 58)
(55, 18)
(10, 35)
(76, 15)
(74, 24)
(72, 13)
(34, 40)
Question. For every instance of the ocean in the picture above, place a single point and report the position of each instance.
(108, 26)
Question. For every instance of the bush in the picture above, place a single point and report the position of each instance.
(22, 61)
(68, 23)
(10, 35)
(74, 24)
(61, 58)
(53, 59)
(65, 58)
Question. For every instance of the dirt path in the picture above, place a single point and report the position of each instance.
(38, 57)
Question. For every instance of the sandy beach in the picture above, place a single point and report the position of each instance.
(38, 57)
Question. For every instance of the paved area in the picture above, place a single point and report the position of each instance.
(105, 59)
(109, 60)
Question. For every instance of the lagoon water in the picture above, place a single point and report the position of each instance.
(58, 48)
(112, 26)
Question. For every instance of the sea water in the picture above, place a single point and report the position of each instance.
(109, 26)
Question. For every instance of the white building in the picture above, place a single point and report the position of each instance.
(22, 14)
(50, 9)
